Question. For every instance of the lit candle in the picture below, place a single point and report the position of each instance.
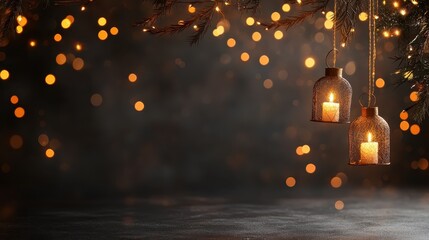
(330, 110)
(369, 151)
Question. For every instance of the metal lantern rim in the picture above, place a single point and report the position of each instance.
(368, 164)
(343, 122)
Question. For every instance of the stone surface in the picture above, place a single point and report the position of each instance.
(386, 216)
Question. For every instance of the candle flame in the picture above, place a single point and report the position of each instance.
(369, 137)
(331, 97)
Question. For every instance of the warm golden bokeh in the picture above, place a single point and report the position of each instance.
(268, 83)
(102, 21)
(404, 125)
(339, 205)
(21, 20)
(78, 47)
(139, 106)
(336, 182)
(61, 59)
(329, 24)
(275, 16)
(50, 79)
(14, 99)
(231, 42)
(286, 7)
(278, 34)
(66, 23)
(363, 16)
(102, 35)
(310, 62)
(290, 182)
(299, 151)
(58, 37)
(191, 8)
(250, 21)
(415, 129)
(264, 60)
(50, 153)
(256, 36)
(19, 112)
(132, 77)
(4, 74)
(306, 149)
(114, 31)
(310, 168)
(403, 115)
(244, 57)
(414, 96)
(380, 83)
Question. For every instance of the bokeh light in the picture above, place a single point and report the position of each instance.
(14, 99)
(403, 115)
(264, 60)
(102, 35)
(50, 153)
(256, 36)
(404, 125)
(290, 182)
(250, 21)
(310, 62)
(379, 83)
(310, 168)
(132, 77)
(285, 7)
(102, 21)
(4, 74)
(339, 205)
(415, 129)
(61, 59)
(336, 182)
(19, 112)
(245, 57)
(50, 79)
(268, 83)
(139, 106)
(231, 42)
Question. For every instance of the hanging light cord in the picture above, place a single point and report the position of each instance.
(372, 50)
(335, 33)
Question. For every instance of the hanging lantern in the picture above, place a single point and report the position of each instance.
(332, 95)
(369, 139)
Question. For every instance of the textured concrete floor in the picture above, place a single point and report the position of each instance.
(386, 216)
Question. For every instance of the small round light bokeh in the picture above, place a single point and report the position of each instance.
(369, 139)
(332, 96)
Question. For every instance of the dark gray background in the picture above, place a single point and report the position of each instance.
(208, 125)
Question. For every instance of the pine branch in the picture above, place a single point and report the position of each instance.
(413, 51)
(11, 9)
(316, 7)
